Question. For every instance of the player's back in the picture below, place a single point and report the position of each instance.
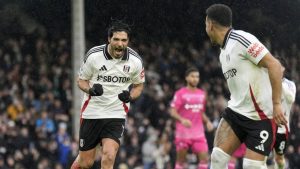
(249, 84)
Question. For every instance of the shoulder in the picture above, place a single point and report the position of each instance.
(289, 90)
(201, 91)
(243, 34)
(134, 56)
(289, 84)
(93, 51)
(181, 90)
(244, 38)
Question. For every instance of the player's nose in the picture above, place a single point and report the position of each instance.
(119, 43)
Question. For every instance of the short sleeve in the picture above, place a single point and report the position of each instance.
(176, 101)
(139, 75)
(289, 91)
(256, 50)
(204, 102)
(86, 69)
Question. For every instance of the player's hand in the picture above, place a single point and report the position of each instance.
(187, 123)
(209, 126)
(124, 96)
(278, 115)
(96, 90)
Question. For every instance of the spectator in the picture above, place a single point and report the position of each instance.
(45, 125)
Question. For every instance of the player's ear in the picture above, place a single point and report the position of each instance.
(208, 23)
(109, 39)
(211, 25)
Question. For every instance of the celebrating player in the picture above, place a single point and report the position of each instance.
(105, 76)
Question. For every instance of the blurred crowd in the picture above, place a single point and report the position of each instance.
(36, 101)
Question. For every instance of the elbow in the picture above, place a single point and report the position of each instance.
(141, 87)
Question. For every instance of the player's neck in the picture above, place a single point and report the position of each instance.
(191, 88)
(221, 35)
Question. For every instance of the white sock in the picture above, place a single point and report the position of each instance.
(219, 159)
(254, 164)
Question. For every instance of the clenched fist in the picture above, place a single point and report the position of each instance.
(124, 96)
(96, 90)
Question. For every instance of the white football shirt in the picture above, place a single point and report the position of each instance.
(249, 84)
(287, 99)
(114, 75)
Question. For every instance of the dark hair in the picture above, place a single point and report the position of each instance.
(220, 13)
(118, 26)
(190, 70)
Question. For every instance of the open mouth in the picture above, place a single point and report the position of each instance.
(119, 51)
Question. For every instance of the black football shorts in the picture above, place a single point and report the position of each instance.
(259, 136)
(92, 131)
(280, 143)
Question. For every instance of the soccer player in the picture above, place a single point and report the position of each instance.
(105, 76)
(188, 109)
(254, 78)
(287, 99)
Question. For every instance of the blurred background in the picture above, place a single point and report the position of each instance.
(42, 42)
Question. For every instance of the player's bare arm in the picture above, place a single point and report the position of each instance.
(83, 85)
(136, 90)
(275, 75)
(207, 122)
(176, 116)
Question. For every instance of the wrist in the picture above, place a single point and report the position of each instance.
(276, 103)
(87, 90)
(130, 98)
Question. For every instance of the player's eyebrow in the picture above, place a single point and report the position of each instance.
(122, 39)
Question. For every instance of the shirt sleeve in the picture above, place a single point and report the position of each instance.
(176, 101)
(204, 102)
(86, 69)
(255, 51)
(139, 75)
(289, 91)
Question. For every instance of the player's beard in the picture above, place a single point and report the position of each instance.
(213, 42)
(193, 84)
(212, 39)
(118, 52)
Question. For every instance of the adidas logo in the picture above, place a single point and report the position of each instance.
(103, 68)
(260, 147)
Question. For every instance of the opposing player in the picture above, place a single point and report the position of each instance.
(287, 99)
(105, 76)
(254, 78)
(188, 109)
